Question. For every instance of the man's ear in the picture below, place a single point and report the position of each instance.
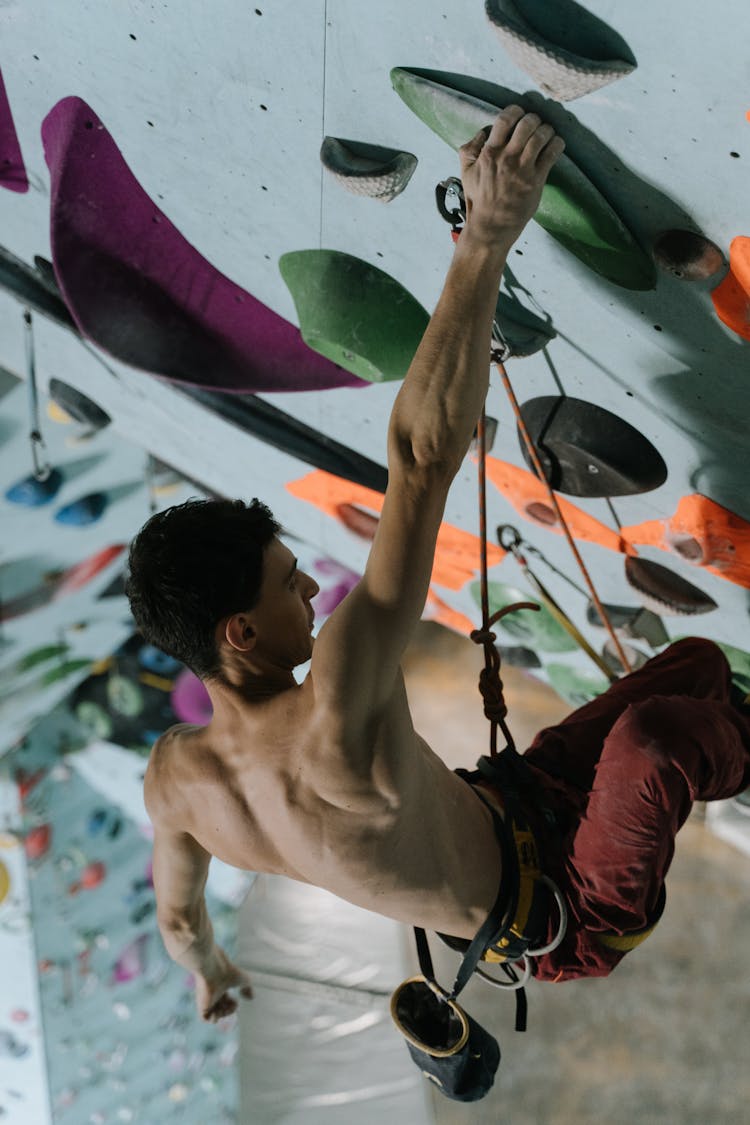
(239, 633)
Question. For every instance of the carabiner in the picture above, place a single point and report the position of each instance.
(509, 538)
(451, 190)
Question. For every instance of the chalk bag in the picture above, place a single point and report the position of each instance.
(448, 1046)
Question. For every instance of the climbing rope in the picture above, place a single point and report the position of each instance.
(42, 468)
(451, 205)
(490, 684)
(497, 359)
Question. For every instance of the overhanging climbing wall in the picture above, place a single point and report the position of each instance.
(223, 220)
(200, 240)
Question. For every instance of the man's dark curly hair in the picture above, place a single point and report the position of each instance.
(191, 565)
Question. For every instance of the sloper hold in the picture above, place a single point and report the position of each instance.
(665, 592)
(141, 292)
(586, 450)
(33, 493)
(371, 170)
(572, 210)
(576, 56)
(84, 511)
(78, 406)
(353, 313)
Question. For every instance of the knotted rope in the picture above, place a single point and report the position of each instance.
(490, 684)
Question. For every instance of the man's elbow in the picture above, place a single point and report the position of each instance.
(178, 928)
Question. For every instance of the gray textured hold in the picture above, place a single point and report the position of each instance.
(371, 170)
(560, 72)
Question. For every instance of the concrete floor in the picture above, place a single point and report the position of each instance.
(665, 1038)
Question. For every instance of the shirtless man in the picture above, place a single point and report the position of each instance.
(327, 782)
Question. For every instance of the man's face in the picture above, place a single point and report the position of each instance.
(283, 617)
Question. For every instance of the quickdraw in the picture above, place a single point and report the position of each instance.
(451, 203)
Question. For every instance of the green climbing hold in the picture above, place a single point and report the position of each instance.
(572, 209)
(353, 313)
(575, 686)
(536, 629)
(63, 670)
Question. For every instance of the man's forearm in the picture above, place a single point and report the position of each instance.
(437, 408)
(190, 941)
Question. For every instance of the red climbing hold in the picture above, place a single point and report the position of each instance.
(37, 841)
(92, 875)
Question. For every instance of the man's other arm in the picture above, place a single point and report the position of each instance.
(180, 870)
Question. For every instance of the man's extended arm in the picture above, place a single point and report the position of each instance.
(359, 649)
(503, 172)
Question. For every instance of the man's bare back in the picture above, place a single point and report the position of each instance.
(327, 782)
(276, 795)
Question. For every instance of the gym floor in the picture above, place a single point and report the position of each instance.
(664, 1039)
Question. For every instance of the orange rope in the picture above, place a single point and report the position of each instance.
(553, 500)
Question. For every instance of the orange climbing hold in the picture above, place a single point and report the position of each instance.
(456, 553)
(703, 533)
(440, 611)
(731, 297)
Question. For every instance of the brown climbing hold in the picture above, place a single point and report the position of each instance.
(665, 592)
(688, 255)
(731, 297)
(541, 513)
(703, 533)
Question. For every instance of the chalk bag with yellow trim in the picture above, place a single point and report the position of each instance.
(448, 1046)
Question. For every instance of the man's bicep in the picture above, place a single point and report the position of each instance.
(180, 870)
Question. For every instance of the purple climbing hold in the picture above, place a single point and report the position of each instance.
(131, 963)
(140, 291)
(12, 169)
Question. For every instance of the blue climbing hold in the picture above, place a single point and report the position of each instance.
(154, 660)
(81, 513)
(33, 493)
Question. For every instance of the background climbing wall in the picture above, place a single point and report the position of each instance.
(164, 158)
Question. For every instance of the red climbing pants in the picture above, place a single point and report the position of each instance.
(623, 772)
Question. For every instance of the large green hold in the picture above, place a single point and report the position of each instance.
(574, 685)
(353, 313)
(572, 210)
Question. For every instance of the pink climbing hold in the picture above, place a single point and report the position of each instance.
(131, 963)
(330, 596)
(141, 292)
(190, 701)
(37, 841)
(12, 169)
